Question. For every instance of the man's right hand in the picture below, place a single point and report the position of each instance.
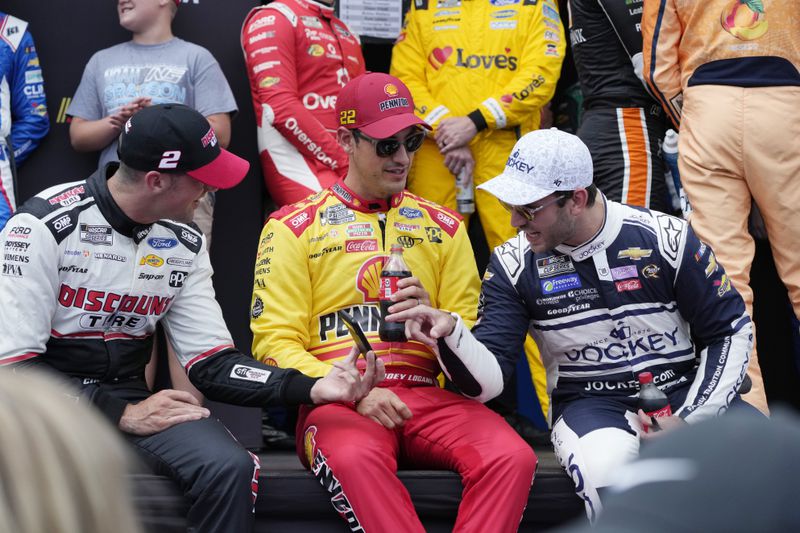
(385, 408)
(160, 411)
(458, 159)
(121, 116)
(425, 324)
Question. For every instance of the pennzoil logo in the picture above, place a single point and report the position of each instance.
(151, 260)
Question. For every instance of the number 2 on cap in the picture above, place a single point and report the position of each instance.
(169, 159)
(348, 116)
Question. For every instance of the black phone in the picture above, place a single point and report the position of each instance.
(355, 331)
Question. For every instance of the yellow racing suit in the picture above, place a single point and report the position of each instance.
(326, 253)
(496, 61)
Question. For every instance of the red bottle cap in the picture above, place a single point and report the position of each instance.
(645, 377)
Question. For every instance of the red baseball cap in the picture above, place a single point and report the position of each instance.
(378, 104)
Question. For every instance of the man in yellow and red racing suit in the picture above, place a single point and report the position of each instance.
(325, 254)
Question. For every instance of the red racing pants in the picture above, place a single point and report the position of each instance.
(356, 459)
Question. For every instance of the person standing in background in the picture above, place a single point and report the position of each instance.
(623, 125)
(727, 72)
(154, 67)
(298, 56)
(480, 71)
(23, 109)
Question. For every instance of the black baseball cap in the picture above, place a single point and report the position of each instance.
(174, 137)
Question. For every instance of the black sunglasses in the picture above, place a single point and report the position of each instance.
(388, 147)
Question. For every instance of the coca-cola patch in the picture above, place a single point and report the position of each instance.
(361, 245)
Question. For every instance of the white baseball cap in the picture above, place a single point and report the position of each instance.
(541, 163)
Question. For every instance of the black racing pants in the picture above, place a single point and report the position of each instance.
(625, 144)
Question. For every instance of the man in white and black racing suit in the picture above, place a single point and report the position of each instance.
(607, 291)
(88, 270)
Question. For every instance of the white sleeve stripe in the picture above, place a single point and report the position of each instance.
(497, 112)
(477, 359)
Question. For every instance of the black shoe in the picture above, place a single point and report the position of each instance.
(274, 438)
(537, 438)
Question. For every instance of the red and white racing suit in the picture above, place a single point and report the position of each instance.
(298, 56)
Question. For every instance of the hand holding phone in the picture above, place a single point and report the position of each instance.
(356, 332)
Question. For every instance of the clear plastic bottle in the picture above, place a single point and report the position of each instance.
(465, 193)
(651, 399)
(394, 269)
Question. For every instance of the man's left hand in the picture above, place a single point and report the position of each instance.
(664, 424)
(454, 132)
(344, 383)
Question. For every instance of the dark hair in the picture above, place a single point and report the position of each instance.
(591, 190)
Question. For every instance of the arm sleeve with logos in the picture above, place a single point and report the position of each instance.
(270, 55)
(409, 60)
(29, 121)
(196, 329)
(661, 38)
(481, 361)
(721, 330)
(537, 73)
(282, 301)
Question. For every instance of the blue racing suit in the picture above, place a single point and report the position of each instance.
(644, 294)
(23, 112)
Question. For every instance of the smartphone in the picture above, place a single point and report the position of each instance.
(356, 332)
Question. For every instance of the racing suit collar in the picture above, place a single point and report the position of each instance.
(98, 186)
(319, 8)
(612, 224)
(352, 200)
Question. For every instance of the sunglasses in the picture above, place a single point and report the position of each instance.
(529, 213)
(388, 147)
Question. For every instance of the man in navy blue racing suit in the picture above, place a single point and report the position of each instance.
(607, 291)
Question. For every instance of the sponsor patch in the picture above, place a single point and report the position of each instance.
(407, 241)
(151, 260)
(651, 271)
(67, 197)
(410, 212)
(258, 307)
(624, 272)
(406, 227)
(361, 229)
(180, 261)
(103, 235)
(337, 214)
(361, 245)
(560, 284)
(628, 285)
(177, 278)
(503, 24)
(634, 254)
(723, 285)
(62, 223)
(712, 265)
(248, 373)
(106, 256)
(160, 243)
(554, 265)
(434, 234)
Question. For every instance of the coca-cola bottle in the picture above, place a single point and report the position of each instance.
(652, 400)
(393, 269)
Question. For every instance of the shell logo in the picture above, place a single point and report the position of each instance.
(744, 19)
(151, 260)
(390, 89)
(368, 279)
(315, 50)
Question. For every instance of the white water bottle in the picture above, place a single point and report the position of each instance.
(465, 193)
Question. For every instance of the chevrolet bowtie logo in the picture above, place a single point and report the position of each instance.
(634, 254)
